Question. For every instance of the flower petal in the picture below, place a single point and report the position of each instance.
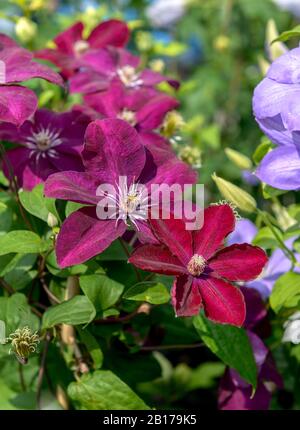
(152, 114)
(114, 147)
(280, 168)
(186, 297)
(157, 259)
(112, 32)
(219, 221)
(16, 104)
(75, 186)
(65, 40)
(223, 302)
(172, 233)
(239, 262)
(82, 236)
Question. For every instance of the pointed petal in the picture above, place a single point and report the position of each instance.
(75, 186)
(83, 235)
(241, 262)
(65, 40)
(152, 114)
(219, 221)
(109, 33)
(157, 259)
(186, 297)
(223, 303)
(114, 147)
(17, 104)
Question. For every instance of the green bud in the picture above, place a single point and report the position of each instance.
(240, 198)
(239, 159)
(275, 49)
(25, 29)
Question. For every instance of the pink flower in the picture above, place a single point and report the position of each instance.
(50, 143)
(100, 68)
(204, 269)
(16, 102)
(71, 45)
(112, 149)
(143, 108)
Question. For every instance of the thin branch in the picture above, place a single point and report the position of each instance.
(118, 320)
(6, 286)
(170, 347)
(137, 273)
(42, 370)
(48, 292)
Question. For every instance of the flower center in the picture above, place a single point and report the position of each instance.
(196, 265)
(80, 47)
(129, 116)
(130, 201)
(44, 139)
(129, 76)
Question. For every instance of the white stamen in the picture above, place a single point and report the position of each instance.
(43, 141)
(129, 77)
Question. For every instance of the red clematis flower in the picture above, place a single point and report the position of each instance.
(204, 269)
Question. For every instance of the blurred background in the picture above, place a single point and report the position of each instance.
(219, 50)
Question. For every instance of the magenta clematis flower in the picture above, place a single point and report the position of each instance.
(18, 103)
(50, 143)
(112, 150)
(144, 108)
(203, 269)
(106, 65)
(71, 45)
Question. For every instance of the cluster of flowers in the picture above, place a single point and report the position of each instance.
(116, 132)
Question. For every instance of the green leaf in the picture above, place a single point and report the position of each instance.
(286, 291)
(72, 207)
(36, 204)
(5, 218)
(286, 35)
(231, 344)
(103, 390)
(92, 346)
(78, 310)
(266, 239)
(16, 313)
(21, 241)
(155, 293)
(102, 291)
(262, 150)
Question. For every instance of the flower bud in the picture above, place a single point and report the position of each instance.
(191, 155)
(239, 159)
(240, 198)
(157, 65)
(25, 29)
(221, 43)
(275, 49)
(52, 221)
(263, 64)
(172, 124)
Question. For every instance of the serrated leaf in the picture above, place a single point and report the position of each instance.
(286, 291)
(103, 390)
(231, 344)
(155, 293)
(21, 241)
(102, 291)
(78, 310)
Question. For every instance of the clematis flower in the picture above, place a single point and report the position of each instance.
(107, 65)
(51, 142)
(112, 150)
(234, 392)
(18, 103)
(71, 45)
(204, 270)
(277, 265)
(143, 108)
(276, 109)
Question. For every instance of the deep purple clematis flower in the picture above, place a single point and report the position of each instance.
(106, 65)
(144, 108)
(71, 45)
(234, 392)
(50, 143)
(112, 149)
(277, 265)
(18, 103)
(277, 110)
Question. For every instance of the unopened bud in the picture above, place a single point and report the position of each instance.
(52, 220)
(240, 160)
(263, 64)
(240, 198)
(25, 29)
(275, 49)
(221, 43)
(172, 124)
(157, 65)
(191, 155)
